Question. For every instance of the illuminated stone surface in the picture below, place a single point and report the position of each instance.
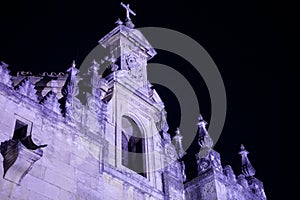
(94, 132)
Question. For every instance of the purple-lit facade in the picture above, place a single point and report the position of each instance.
(84, 135)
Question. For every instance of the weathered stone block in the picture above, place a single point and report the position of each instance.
(65, 195)
(41, 187)
(59, 180)
(34, 196)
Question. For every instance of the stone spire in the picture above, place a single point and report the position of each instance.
(177, 141)
(247, 168)
(204, 140)
(207, 184)
(247, 179)
(207, 158)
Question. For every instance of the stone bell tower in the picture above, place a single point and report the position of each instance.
(136, 128)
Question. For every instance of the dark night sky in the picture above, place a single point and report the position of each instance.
(242, 37)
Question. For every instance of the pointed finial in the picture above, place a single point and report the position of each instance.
(94, 67)
(119, 22)
(73, 63)
(201, 121)
(3, 64)
(247, 168)
(243, 151)
(71, 74)
(177, 131)
(149, 85)
(204, 139)
(72, 70)
(95, 63)
(200, 118)
(242, 147)
(177, 141)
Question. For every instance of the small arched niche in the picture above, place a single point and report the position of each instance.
(133, 146)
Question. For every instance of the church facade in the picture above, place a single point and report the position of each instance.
(85, 135)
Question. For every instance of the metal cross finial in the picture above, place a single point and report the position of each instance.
(128, 11)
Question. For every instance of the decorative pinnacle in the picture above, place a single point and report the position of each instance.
(200, 118)
(247, 168)
(71, 73)
(243, 148)
(73, 63)
(119, 22)
(3, 64)
(201, 121)
(204, 139)
(94, 62)
(177, 140)
(73, 70)
(177, 132)
(95, 65)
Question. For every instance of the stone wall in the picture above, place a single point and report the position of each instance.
(71, 166)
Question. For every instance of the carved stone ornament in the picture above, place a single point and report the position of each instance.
(247, 168)
(183, 171)
(131, 61)
(203, 165)
(136, 73)
(229, 173)
(4, 74)
(204, 139)
(170, 152)
(208, 159)
(77, 109)
(162, 124)
(257, 187)
(177, 141)
(94, 104)
(52, 74)
(51, 102)
(26, 88)
(69, 91)
(93, 70)
(242, 181)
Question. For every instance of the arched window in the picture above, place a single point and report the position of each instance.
(133, 146)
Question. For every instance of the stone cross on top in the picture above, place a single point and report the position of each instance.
(128, 11)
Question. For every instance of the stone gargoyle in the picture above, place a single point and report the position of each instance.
(18, 157)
